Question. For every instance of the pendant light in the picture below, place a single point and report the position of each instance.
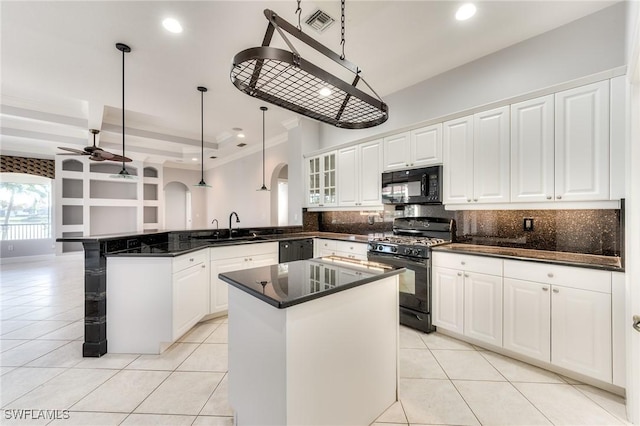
(264, 187)
(202, 183)
(282, 77)
(123, 174)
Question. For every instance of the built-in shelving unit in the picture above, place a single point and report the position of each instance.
(91, 202)
(151, 193)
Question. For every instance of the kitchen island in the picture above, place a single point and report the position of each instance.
(313, 342)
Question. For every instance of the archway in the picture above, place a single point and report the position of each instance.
(177, 206)
(280, 195)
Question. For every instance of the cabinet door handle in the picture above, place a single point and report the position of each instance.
(250, 259)
(550, 275)
(468, 200)
(462, 262)
(555, 290)
(466, 275)
(545, 288)
(559, 197)
(475, 199)
(459, 274)
(191, 259)
(548, 197)
(636, 322)
(203, 265)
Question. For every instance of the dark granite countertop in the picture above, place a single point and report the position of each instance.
(292, 283)
(609, 263)
(179, 247)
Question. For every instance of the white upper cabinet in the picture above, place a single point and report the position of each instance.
(397, 150)
(458, 160)
(426, 146)
(417, 148)
(359, 174)
(532, 150)
(370, 173)
(582, 143)
(476, 158)
(491, 142)
(321, 181)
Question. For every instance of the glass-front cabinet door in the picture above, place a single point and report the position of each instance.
(313, 182)
(329, 182)
(321, 180)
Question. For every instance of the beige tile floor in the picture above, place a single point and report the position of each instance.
(443, 381)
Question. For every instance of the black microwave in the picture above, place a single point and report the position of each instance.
(416, 186)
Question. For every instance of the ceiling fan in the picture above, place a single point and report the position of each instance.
(95, 153)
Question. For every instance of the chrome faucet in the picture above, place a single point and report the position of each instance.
(237, 221)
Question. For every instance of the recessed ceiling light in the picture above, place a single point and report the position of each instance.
(241, 135)
(325, 91)
(172, 25)
(194, 158)
(465, 11)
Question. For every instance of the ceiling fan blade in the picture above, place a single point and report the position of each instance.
(76, 151)
(105, 155)
(120, 158)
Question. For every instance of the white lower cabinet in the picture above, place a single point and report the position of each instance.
(571, 305)
(352, 250)
(483, 307)
(190, 289)
(557, 314)
(468, 299)
(527, 318)
(153, 301)
(235, 258)
(581, 331)
(448, 299)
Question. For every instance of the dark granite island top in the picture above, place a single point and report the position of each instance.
(292, 283)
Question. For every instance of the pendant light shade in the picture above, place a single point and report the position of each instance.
(202, 183)
(263, 187)
(124, 173)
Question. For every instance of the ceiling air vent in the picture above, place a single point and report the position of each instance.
(319, 21)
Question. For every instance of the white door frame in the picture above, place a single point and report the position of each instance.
(632, 231)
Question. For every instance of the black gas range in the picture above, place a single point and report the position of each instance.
(410, 247)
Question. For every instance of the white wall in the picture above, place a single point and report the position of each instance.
(198, 195)
(303, 138)
(589, 45)
(234, 188)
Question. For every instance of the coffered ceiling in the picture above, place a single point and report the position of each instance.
(61, 72)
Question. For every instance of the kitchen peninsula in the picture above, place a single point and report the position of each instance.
(155, 248)
(313, 342)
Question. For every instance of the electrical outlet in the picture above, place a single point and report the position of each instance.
(527, 224)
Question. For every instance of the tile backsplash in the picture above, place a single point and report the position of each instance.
(576, 231)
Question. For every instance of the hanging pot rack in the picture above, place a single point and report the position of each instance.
(285, 79)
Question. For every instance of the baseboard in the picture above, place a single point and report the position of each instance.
(38, 258)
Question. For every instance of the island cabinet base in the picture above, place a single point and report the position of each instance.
(328, 361)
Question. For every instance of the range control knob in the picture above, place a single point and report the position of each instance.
(407, 251)
(416, 252)
(380, 247)
(394, 249)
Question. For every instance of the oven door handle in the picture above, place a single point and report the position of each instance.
(403, 261)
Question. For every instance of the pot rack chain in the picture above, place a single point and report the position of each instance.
(342, 19)
(299, 13)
